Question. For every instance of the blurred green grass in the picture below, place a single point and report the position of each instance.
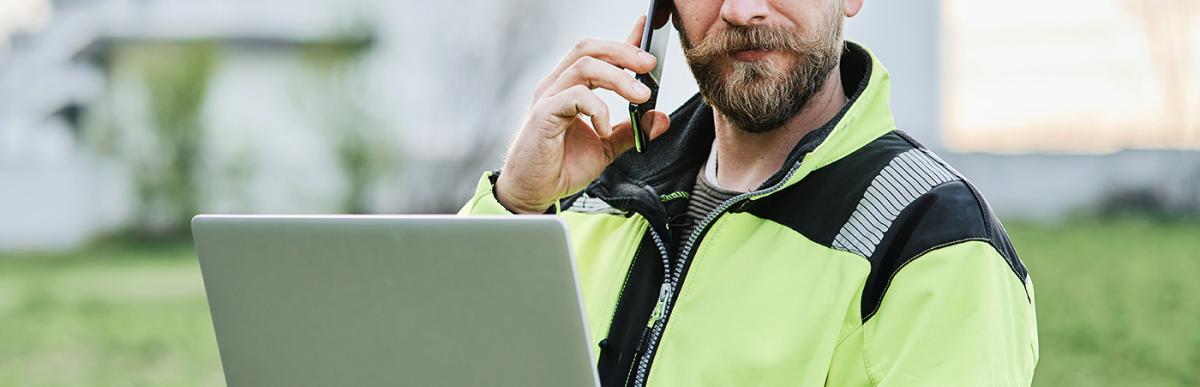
(1117, 306)
(125, 315)
(1118, 301)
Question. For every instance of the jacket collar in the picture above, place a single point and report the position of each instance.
(642, 182)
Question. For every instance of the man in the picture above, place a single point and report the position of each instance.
(779, 230)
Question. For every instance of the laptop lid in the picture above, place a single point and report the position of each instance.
(394, 301)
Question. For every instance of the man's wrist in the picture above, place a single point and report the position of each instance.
(516, 207)
(522, 210)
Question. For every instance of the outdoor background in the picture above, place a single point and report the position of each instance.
(120, 119)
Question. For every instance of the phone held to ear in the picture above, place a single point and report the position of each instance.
(655, 38)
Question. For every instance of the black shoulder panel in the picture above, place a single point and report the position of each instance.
(889, 202)
(819, 205)
(948, 214)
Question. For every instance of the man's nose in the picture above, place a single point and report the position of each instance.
(745, 12)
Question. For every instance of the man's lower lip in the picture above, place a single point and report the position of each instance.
(750, 55)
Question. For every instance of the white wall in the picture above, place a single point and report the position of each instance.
(904, 36)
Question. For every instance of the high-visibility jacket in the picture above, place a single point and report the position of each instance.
(865, 260)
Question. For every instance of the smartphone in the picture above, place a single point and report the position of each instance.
(655, 38)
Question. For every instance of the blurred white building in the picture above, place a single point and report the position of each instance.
(57, 192)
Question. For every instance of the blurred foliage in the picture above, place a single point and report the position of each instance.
(1115, 298)
(365, 148)
(1149, 203)
(482, 79)
(150, 117)
(163, 161)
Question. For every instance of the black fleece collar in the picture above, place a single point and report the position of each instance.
(638, 182)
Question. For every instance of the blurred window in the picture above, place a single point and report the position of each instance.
(1071, 75)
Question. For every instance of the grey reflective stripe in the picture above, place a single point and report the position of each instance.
(907, 177)
(591, 205)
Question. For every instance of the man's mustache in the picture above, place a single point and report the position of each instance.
(741, 38)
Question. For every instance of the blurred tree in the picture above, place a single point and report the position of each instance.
(477, 67)
(364, 146)
(482, 78)
(162, 160)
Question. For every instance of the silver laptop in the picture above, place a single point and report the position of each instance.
(394, 301)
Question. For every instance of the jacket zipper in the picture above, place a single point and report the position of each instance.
(664, 295)
(673, 276)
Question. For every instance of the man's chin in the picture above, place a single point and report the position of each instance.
(753, 75)
(770, 68)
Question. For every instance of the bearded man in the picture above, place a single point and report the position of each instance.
(779, 230)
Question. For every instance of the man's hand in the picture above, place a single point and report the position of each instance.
(556, 152)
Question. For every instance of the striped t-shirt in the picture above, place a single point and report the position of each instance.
(706, 195)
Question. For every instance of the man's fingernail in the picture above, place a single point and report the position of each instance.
(640, 88)
(646, 57)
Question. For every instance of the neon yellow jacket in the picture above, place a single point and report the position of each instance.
(865, 261)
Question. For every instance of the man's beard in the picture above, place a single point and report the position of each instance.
(753, 96)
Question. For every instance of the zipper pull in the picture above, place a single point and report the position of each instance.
(664, 296)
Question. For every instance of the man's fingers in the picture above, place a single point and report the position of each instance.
(595, 73)
(658, 122)
(621, 139)
(570, 103)
(620, 54)
(635, 36)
